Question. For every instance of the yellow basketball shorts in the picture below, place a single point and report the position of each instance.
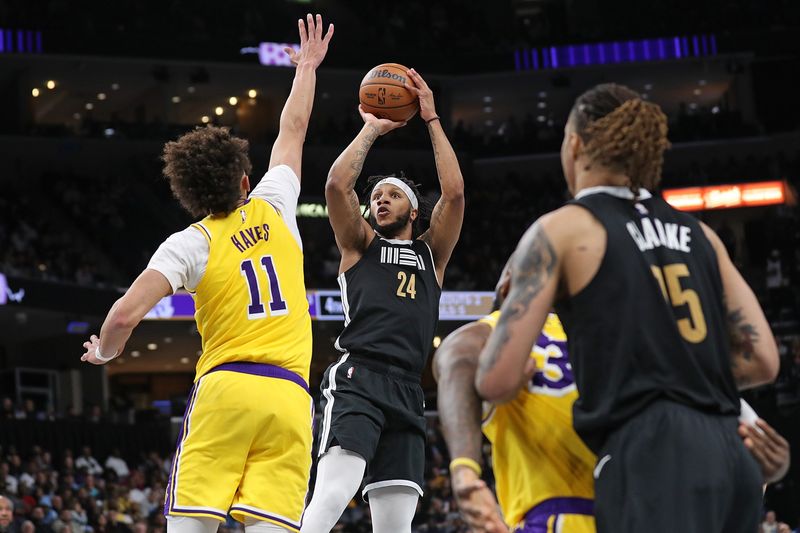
(557, 515)
(244, 448)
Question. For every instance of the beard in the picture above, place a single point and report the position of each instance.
(390, 230)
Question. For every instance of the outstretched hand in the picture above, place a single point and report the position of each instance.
(91, 346)
(313, 46)
(427, 108)
(382, 125)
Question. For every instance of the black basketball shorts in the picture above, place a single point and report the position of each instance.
(673, 469)
(376, 411)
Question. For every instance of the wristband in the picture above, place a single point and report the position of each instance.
(467, 462)
(431, 119)
(99, 356)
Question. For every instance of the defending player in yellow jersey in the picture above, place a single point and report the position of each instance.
(245, 444)
(543, 471)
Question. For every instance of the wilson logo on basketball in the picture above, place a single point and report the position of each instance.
(386, 74)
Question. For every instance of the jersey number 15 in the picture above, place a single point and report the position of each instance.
(693, 329)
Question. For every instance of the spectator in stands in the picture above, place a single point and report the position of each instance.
(88, 463)
(116, 463)
(8, 408)
(770, 524)
(9, 482)
(6, 515)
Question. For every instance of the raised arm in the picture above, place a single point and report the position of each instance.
(455, 364)
(534, 282)
(754, 353)
(353, 233)
(126, 313)
(448, 214)
(288, 147)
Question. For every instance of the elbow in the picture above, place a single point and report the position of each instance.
(334, 185)
(771, 364)
(122, 319)
(492, 389)
(294, 124)
(455, 194)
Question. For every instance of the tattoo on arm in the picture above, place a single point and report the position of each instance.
(534, 263)
(357, 164)
(743, 337)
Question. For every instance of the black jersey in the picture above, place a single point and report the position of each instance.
(651, 324)
(391, 304)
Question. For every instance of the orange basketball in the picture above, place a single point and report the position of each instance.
(382, 93)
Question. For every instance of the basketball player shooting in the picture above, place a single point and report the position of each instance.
(662, 329)
(373, 406)
(245, 445)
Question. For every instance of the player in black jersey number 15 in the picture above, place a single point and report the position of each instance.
(662, 330)
(373, 425)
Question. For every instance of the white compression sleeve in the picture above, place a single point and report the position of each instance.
(190, 524)
(339, 475)
(393, 509)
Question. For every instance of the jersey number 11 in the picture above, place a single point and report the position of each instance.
(277, 306)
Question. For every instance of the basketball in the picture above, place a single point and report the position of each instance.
(382, 93)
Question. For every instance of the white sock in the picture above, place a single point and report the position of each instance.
(339, 475)
(393, 509)
(252, 525)
(191, 524)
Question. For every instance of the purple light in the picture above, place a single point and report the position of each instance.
(631, 51)
(554, 56)
(695, 45)
(615, 47)
(526, 64)
(587, 56)
(601, 52)
(704, 43)
(685, 43)
(677, 41)
(662, 53)
(516, 59)
(571, 53)
(9, 41)
(2, 41)
(713, 44)
(29, 40)
(535, 58)
(546, 58)
(38, 42)
(20, 41)
(646, 46)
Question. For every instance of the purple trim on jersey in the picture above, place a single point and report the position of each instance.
(262, 369)
(203, 229)
(171, 488)
(536, 519)
(266, 515)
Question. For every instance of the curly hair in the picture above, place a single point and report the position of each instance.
(623, 132)
(423, 212)
(204, 168)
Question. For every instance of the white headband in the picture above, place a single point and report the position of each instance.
(400, 185)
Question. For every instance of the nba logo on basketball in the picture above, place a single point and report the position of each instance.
(350, 372)
(382, 95)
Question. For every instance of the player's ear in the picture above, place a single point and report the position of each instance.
(414, 214)
(575, 145)
(245, 182)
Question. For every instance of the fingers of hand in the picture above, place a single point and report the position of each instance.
(303, 33)
(310, 23)
(328, 35)
(318, 27)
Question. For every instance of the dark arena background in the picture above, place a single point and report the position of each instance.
(90, 91)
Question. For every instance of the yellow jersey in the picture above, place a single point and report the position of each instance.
(250, 304)
(536, 454)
